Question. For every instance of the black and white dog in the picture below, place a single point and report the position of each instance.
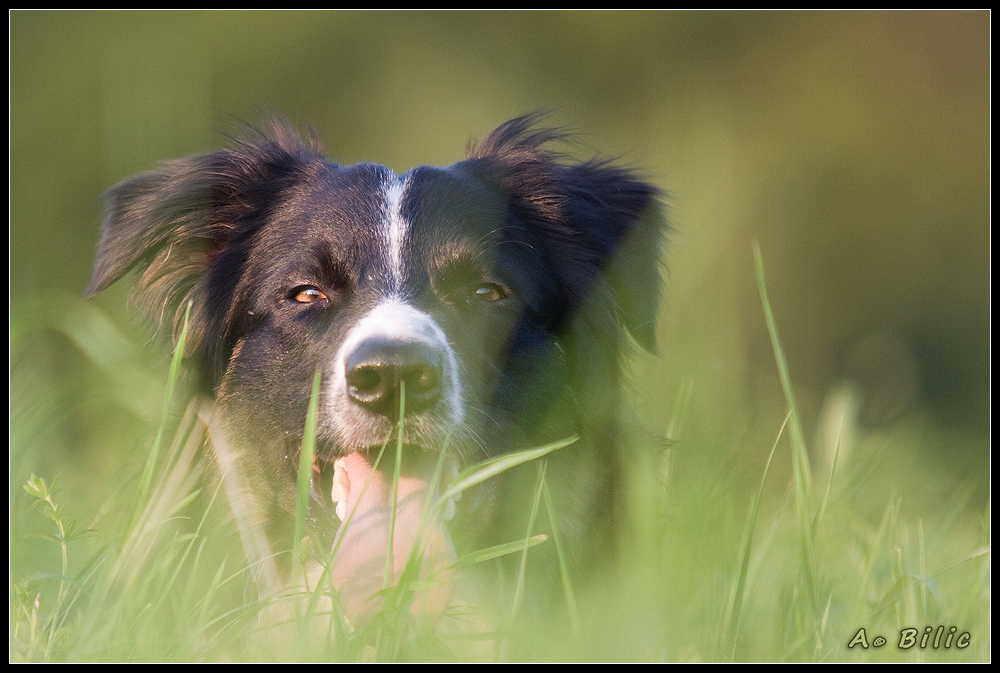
(498, 293)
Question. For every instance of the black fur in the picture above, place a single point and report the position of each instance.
(565, 254)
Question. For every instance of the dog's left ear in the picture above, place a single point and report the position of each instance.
(590, 219)
(622, 223)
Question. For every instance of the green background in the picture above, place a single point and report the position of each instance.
(854, 147)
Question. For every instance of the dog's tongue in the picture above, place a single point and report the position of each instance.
(359, 567)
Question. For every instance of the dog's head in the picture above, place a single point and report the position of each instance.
(485, 305)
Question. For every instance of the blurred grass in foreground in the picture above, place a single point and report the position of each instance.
(702, 576)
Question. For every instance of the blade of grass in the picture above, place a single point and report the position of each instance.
(800, 455)
(480, 472)
(734, 607)
(523, 568)
(491, 553)
(175, 367)
(906, 583)
(829, 484)
(574, 614)
(174, 490)
(387, 576)
(306, 454)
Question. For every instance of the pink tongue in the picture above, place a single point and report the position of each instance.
(359, 566)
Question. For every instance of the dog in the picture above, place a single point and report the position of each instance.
(460, 313)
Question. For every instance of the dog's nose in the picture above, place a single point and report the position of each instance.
(377, 367)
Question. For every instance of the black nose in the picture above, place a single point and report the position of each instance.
(377, 368)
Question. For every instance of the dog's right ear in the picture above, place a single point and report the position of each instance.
(148, 217)
(172, 223)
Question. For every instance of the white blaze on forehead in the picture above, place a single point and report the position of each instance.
(392, 320)
(396, 227)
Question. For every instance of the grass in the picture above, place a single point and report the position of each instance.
(712, 571)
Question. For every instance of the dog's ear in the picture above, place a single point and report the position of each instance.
(162, 219)
(590, 218)
(621, 221)
(172, 223)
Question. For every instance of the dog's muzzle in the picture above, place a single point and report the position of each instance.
(396, 393)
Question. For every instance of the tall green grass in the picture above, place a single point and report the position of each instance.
(716, 565)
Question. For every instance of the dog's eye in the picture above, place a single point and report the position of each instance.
(307, 294)
(489, 292)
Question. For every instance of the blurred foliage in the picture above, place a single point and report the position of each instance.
(854, 146)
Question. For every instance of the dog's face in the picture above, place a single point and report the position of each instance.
(462, 312)
(377, 280)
